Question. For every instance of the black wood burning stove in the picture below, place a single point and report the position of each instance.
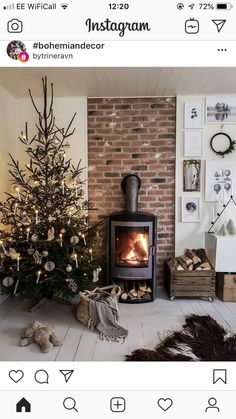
(131, 247)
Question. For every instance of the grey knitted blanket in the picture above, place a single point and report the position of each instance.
(104, 314)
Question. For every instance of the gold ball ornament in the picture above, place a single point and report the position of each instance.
(74, 240)
(26, 221)
(69, 181)
(34, 238)
(49, 266)
(81, 192)
(55, 141)
(8, 281)
(69, 268)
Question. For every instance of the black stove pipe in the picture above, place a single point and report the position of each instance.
(130, 186)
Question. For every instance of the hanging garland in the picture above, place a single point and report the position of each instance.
(228, 150)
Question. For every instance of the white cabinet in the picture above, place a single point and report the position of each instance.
(221, 251)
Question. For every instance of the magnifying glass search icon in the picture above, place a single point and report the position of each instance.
(70, 404)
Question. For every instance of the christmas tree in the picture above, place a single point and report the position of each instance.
(47, 246)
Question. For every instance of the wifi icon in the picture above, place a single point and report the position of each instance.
(64, 6)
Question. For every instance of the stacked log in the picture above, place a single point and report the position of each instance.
(136, 291)
(193, 260)
(190, 275)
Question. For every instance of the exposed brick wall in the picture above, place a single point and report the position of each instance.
(134, 135)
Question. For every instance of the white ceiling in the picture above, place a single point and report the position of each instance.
(102, 82)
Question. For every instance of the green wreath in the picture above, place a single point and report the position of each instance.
(228, 150)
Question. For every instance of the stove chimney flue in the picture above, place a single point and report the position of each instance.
(130, 186)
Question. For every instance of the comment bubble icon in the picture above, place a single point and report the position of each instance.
(41, 377)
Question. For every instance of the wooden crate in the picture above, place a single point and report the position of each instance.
(190, 283)
(226, 286)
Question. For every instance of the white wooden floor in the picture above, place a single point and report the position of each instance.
(144, 321)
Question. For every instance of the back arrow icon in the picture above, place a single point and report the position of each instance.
(219, 23)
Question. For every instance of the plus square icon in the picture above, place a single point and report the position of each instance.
(117, 404)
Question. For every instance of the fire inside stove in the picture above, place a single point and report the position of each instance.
(132, 246)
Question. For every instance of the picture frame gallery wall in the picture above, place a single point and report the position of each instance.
(204, 180)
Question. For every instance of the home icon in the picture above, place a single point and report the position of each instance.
(23, 406)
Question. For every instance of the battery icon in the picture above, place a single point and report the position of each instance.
(224, 6)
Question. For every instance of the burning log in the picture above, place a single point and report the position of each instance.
(139, 250)
(133, 248)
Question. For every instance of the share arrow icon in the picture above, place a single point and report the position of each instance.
(67, 374)
(219, 24)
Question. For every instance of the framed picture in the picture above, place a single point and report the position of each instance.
(220, 181)
(190, 209)
(221, 109)
(193, 115)
(192, 143)
(191, 175)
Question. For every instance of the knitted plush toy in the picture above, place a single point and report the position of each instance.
(44, 335)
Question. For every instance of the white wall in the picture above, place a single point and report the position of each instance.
(7, 137)
(64, 108)
(192, 235)
(15, 112)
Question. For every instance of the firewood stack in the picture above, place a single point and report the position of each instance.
(136, 291)
(193, 260)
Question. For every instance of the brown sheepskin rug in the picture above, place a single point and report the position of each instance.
(201, 339)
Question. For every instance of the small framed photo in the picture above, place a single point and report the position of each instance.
(190, 209)
(191, 175)
(193, 115)
(221, 110)
(192, 143)
(220, 180)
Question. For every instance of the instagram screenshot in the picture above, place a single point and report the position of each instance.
(117, 209)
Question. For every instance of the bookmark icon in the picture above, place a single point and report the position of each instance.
(219, 375)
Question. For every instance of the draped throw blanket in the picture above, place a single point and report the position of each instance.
(104, 314)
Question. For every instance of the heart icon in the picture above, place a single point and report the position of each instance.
(165, 404)
(16, 376)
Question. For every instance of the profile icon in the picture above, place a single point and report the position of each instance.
(212, 402)
(16, 50)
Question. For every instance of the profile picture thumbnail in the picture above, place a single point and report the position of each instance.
(15, 49)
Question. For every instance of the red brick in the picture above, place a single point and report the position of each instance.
(145, 129)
